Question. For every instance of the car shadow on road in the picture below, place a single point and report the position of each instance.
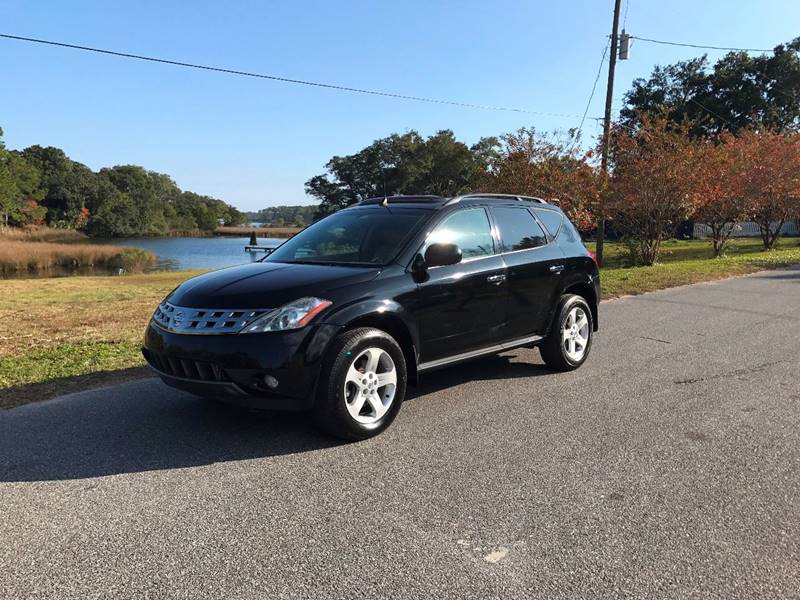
(787, 273)
(143, 425)
(485, 369)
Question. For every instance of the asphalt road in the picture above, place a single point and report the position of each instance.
(667, 467)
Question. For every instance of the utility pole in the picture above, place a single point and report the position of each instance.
(612, 64)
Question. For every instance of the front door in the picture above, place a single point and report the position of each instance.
(461, 307)
(534, 272)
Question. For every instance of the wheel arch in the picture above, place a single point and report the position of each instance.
(398, 329)
(588, 292)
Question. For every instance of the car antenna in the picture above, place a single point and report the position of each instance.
(385, 201)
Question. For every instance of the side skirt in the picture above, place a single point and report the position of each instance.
(457, 358)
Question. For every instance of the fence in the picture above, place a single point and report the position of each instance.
(747, 229)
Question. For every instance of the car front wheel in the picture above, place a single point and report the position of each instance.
(362, 384)
(570, 339)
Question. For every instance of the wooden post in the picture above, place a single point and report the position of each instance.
(612, 64)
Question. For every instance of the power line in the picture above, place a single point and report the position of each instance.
(644, 39)
(318, 84)
(594, 87)
(711, 112)
(625, 17)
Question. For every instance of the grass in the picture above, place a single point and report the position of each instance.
(33, 257)
(683, 250)
(35, 250)
(638, 280)
(42, 234)
(683, 262)
(57, 329)
(266, 232)
(61, 334)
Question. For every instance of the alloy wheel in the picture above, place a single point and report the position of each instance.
(575, 334)
(370, 384)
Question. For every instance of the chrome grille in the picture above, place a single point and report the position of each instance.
(204, 320)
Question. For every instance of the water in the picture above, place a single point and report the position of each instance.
(187, 253)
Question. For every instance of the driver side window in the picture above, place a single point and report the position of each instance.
(469, 229)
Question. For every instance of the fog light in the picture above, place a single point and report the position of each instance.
(271, 382)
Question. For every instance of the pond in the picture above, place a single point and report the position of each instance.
(188, 253)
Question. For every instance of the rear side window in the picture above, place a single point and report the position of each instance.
(518, 229)
(551, 220)
(570, 232)
(469, 229)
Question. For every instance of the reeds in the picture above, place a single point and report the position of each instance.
(21, 256)
(42, 234)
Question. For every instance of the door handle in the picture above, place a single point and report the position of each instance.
(496, 279)
(556, 268)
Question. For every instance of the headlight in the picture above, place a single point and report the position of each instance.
(294, 315)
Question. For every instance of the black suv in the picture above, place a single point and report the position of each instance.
(341, 317)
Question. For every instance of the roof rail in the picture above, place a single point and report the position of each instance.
(491, 196)
(402, 198)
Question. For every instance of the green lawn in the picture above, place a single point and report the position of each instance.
(682, 250)
(69, 333)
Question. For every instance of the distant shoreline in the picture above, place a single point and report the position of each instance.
(43, 252)
(263, 232)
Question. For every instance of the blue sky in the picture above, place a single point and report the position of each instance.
(254, 143)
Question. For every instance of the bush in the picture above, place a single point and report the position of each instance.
(133, 260)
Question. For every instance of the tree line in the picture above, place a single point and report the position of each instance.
(283, 216)
(718, 144)
(43, 186)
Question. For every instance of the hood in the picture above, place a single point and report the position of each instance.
(266, 285)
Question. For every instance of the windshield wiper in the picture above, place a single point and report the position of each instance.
(330, 263)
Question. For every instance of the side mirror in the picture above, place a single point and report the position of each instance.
(439, 255)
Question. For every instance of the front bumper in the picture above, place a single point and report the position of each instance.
(232, 367)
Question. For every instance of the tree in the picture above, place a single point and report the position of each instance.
(10, 201)
(651, 183)
(115, 217)
(770, 179)
(300, 216)
(398, 164)
(19, 187)
(717, 192)
(147, 191)
(66, 184)
(528, 163)
(31, 213)
(740, 91)
(118, 201)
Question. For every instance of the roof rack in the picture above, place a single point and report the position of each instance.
(401, 198)
(491, 196)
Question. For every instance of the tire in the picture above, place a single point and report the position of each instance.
(351, 404)
(562, 349)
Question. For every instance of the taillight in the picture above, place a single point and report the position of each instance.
(594, 258)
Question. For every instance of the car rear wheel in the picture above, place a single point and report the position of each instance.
(362, 384)
(570, 339)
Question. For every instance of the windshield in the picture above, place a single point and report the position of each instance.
(372, 236)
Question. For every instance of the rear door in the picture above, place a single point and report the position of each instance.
(534, 266)
(461, 307)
